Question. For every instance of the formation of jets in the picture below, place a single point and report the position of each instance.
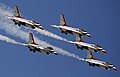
(64, 28)
(80, 44)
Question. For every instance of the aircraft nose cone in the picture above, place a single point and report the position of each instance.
(89, 35)
(104, 51)
(114, 68)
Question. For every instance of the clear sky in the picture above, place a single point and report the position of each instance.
(101, 18)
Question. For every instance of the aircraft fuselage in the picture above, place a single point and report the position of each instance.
(70, 30)
(34, 48)
(101, 64)
(25, 22)
(90, 47)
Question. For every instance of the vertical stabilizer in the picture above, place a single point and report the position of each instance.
(16, 11)
(31, 39)
(89, 55)
(62, 20)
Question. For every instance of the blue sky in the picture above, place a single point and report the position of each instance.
(99, 17)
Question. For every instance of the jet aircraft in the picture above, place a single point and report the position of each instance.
(65, 28)
(19, 20)
(94, 62)
(91, 47)
(35, 47)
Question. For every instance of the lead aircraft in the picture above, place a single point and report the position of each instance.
(35, 47)
(65, 28)
(19, 20)
(94, 62)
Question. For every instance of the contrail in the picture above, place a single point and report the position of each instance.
(7, 11)
(14, 30)
(7, 39)
(47, 33)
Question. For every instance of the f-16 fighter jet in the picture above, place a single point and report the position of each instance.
(90, 47)
(65, 28)
(35, 47)
(94, 62)
(18, 20)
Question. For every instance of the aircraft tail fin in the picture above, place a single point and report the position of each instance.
(89, 55)
(62, 20)
(16, 11)
(31, 39)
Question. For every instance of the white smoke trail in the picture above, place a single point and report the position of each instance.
(47, 33)
(7, 11)
(3, 12)
(6, 25)
(7, 39)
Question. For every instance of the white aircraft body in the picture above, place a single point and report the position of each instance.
(64, 28)
(18, 20)
(91, 47)
(94, 62)
(35, 47)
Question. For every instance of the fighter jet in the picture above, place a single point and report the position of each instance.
(35, 47)
(65, 28)
(91, 47)
(94, 62)
(18, 20)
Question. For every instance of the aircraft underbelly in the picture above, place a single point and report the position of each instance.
(64, 30)
(31, 47)
(30, 26)
(45, 51)
(79, 45)
(34, 48)
(16, 21)
(90, 49)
